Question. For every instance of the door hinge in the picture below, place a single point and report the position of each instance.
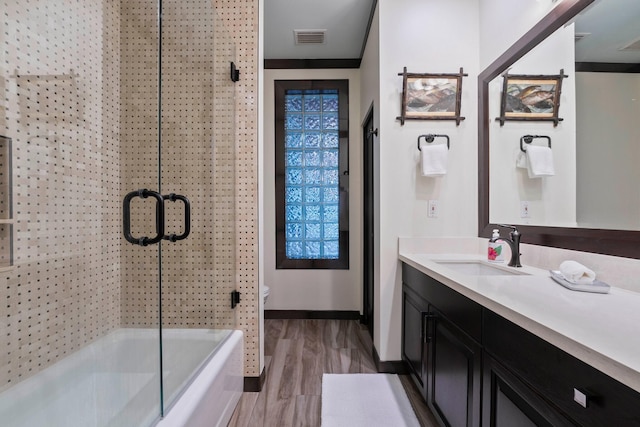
(235, 298)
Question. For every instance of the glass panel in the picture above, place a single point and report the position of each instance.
(312, 158)
(294, 139)
(330, 140)
(198, 161)
(330, 121)
(294, 158)
(295, 250)
(314, 165)
(312, 139)
(312, 103)
(312, 194)
(293, 122)
(79, 99)
(293, 103)
(313, 155)
(140, 274)
(331, 249)
(293, 195)
(330, 103)
(312, 122)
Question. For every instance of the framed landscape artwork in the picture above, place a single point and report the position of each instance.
(431, 96)
(531, 97)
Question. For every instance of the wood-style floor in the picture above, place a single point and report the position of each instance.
(297, 353)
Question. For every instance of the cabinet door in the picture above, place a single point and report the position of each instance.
(454, 373)
(413, 350)
(508, 402)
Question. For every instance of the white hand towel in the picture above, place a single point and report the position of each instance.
(521, 160)
(434, 159)
(575, 272)
(539, 161)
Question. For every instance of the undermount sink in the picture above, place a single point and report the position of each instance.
(481, 268)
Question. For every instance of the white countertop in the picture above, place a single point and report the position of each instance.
(599, 329)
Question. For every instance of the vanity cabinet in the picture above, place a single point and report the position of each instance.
(509, 402)
(440, 345)
(414, 347)
(475, 367)
(569, 386)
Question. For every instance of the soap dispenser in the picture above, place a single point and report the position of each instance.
(494, 253)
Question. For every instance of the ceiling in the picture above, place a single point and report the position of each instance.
(346, 23)
(610, 25)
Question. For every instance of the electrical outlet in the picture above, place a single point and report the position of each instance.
(524, 209)
(433, 208)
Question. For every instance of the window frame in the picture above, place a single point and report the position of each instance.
(280, 88)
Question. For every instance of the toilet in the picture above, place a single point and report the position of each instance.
(265, 293)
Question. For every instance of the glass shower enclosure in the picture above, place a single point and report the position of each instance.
(117, 206)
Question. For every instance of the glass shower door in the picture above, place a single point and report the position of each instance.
(142, 201)
(179, 177)
(197, 153)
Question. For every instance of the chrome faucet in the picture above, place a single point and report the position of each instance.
(514, 244)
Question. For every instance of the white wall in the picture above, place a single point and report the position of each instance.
(370, 98)
(502, 22)
(423, 37)
(552, 200)
(314, 289)
(608, 115)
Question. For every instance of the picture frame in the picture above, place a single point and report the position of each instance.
(431, 96)
(531, 97)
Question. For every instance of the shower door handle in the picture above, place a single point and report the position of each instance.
(126, 217)
(187, 217)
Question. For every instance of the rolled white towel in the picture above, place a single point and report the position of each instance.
(575, 272)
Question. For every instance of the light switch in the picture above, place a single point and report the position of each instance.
(524, 209)
(433, 208)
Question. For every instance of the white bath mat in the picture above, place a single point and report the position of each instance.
(367, 400)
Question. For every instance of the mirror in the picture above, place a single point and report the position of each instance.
(613, 238)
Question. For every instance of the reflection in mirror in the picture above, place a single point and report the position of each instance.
(579, 207)
(595, 150)
(515, 198)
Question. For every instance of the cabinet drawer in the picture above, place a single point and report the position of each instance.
(460, 310)
(555, 374)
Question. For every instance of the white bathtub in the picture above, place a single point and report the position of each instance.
(115, 382)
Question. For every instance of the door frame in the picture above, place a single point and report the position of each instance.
(368, 219)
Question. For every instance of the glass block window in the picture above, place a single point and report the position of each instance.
(311, 152)
(311, 157)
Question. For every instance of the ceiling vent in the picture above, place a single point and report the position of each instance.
(309, 36)
(633, 46)
(580, 36)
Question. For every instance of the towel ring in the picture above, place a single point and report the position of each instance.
(430, 137)
(528, 139)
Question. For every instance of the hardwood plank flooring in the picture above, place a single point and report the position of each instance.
(297, 353)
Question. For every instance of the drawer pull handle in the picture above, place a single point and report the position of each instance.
(580, 397)
(426, 318)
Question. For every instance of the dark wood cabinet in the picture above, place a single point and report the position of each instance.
(454, 371)
(445, 361)
(576, 389)
(476, 368)
(414, 347)
(509, 402)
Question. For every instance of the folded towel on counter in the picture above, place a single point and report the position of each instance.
(434, 159)
(539, 161)
(574, 272)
